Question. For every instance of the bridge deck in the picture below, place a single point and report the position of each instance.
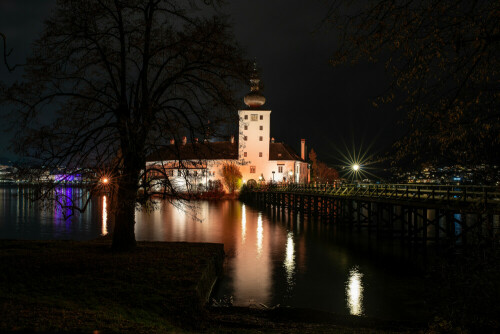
(472, 197)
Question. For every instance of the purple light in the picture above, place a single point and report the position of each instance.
(67, 177)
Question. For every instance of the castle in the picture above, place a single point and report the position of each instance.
(195, 166)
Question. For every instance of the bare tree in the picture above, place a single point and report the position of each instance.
(6, 52)
(111, 81)
(444, 58)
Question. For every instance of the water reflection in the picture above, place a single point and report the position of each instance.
(104, 230)
(354, 292)
(260, 235)
(289, 262)
(26, 219)
(243, 223)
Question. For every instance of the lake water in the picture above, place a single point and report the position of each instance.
(272, 257)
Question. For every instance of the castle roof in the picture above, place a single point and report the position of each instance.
(197, 151)
(223, 150)
(281, 151)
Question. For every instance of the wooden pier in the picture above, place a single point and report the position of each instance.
(420, 214)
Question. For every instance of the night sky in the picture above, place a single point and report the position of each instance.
(330, 107)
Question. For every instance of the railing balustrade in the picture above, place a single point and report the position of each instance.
(408, 192)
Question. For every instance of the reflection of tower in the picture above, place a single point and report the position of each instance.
(254, 128)
(252, 261)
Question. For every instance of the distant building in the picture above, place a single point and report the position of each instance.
(260, 159)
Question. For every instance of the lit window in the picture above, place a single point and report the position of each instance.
(261, 117)
(261, 127)
(246, 127)
(252, 169)
(260, 154)
(254, 117)
(245, 154)
(246, 116)
(244, 137)
(280, 169)
(260, 138)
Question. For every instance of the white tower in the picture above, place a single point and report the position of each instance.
(254, 137)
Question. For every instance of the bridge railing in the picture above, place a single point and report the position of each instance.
(420, 192)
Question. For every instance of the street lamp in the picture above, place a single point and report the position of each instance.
(356, 167)
(105, 180)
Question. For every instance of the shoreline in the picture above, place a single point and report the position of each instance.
(82, 286)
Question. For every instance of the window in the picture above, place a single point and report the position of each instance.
(203, 172)
(244, 137)
(261, 127)
(261, 117)
(246, 116)
(195, 173)
(254, 117)
(280, 169)
(245, 154)
(187, 173)
(260, 154)
(252, 169)
(260, 138)
(246, 127)
(171, 172)
(179, 173)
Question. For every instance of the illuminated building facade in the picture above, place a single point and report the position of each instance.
(257, 155)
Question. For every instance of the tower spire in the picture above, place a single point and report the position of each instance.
(254, 99)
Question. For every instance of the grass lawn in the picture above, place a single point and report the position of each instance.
(83, 286)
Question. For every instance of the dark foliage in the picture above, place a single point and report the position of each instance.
(443, 56)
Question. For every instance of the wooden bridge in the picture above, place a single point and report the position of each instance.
(418, 213)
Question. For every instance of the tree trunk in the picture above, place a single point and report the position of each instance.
(123, 233)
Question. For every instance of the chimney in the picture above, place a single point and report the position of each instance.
(172, 141)
(184, 140)
(303, 149)
(272, 140)
(232, 140)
